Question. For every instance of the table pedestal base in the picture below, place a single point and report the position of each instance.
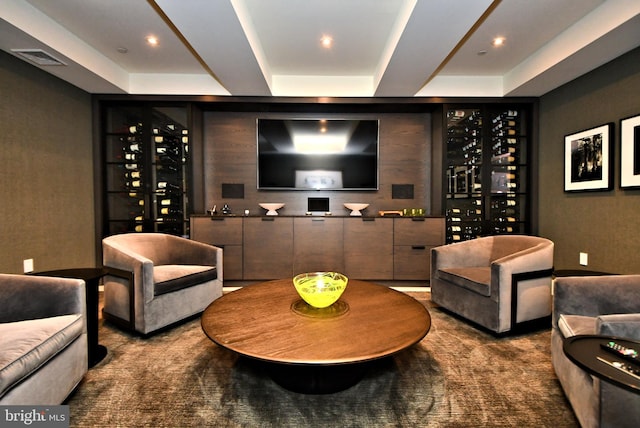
(97, 354)
(316, 379)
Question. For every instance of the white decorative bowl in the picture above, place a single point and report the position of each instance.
(355, 208)
(272, 207)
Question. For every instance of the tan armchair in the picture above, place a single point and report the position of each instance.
(601, 305)
(173, 278)
(43, 338)
(495, 281)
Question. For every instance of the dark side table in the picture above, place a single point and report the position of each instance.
(585, 351)
(91, 277)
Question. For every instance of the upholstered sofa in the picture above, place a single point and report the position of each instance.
(496, 282)
(172, 278)
(43, 339)
(603, 305)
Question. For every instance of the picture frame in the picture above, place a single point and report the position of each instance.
(630, 152)
(587, 159)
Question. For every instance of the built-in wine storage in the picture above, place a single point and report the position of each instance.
(486, 164)
(146, 152)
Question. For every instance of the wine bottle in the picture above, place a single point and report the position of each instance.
(165, 187)
(166, 160)
(170, 211)
(170, 169)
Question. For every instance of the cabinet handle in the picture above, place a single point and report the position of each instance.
(317, 219)
(217, 218)
(417, 219)
(418, 247)
(368, 219)
(267, 219)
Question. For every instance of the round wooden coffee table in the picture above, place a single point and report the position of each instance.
(315, 351)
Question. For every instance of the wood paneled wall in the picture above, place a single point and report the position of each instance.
(230, 157)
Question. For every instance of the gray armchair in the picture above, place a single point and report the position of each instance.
(173, 278)
(495, 281)
(602, 305)
(43, 338)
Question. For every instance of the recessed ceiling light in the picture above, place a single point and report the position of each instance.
(122, 50)
(152, 40)
(498, 41)
(326, 41)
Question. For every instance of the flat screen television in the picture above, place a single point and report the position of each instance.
(317, 154)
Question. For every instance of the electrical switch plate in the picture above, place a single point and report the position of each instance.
(28, 265)
(584, 259)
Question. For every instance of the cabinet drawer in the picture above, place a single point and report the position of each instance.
(217, 230)
(418, 231)
(412, 262)
(318, 245)
(232, 262)
(268, 248)
(368, 248)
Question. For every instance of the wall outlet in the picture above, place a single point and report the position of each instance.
(28, 265)
(584, 259)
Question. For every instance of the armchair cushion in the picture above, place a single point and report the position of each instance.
(476, 279)
(169, 278)
(28, 345)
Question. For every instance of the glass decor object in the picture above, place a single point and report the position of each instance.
(320, 289)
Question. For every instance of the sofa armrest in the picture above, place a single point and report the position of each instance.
(534, 259)
(620, 325)
(120, 257)
(26, 297)
(596, 295)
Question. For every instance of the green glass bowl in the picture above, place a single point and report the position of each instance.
(320, 289)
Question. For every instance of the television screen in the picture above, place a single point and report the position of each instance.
(315, 154)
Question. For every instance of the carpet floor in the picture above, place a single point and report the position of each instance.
(457, 376)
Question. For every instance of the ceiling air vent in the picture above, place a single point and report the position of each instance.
(38, 56)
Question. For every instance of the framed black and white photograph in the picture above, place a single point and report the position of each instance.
(587, 159)
(630, 152)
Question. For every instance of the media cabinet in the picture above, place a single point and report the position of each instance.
(369, 248)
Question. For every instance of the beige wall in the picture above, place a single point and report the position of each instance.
(606, 225)
(46, 191)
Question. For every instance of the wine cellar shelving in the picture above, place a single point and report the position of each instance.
(146, 152)
(486, 184)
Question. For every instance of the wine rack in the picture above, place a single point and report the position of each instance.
(486, 181)
(146, 152)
